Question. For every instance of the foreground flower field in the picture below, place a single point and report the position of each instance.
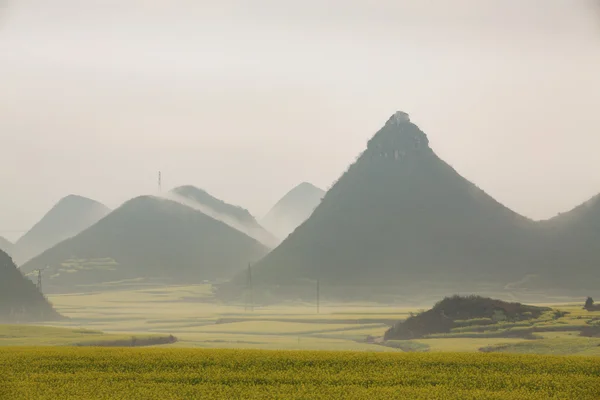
(94, 373)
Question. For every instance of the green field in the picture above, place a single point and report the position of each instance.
(227, 351)
(28, 335)
(91, 373)
(192, 315)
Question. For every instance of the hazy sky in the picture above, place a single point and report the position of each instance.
(249, 98)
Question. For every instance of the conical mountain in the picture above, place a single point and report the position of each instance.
(20, 300)
(6, 245)
(234, 216)
(148, 239)
(293, 209)
(398, 216)
(67, 218)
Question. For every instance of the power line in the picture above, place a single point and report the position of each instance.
(251, 287)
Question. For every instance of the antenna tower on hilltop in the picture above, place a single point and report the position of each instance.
(159, 182)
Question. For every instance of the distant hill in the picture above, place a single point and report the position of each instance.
(148, 238)
(293, 209)
(234, 216)
(586, 215)
(20, 301)
(570, 250)
(67, 218)
(6, 246)
(402, 216)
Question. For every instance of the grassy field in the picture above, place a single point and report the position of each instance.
(229, 352)
(74, 373)
(191, 314)
(20, 335)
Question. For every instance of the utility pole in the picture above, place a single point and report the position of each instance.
(318, 297)
(39, 280)
(250, 288)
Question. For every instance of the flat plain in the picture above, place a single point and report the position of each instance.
(199, 321)
(231, 351)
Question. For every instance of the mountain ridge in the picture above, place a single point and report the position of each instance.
(148, 238)
(71, 215)
(235, 216)
(374, 225)
(292, 209)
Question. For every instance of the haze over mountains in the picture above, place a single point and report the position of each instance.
(399, 216)
(570, 253)
(399, 213)
(68, 217)
(148, 239)
(6, 245)
(20, 301)
(293, 209)
(234, 216)
(402, 216)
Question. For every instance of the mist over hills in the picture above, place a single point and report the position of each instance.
(234, 216)
(20, 301)
(293, 209)
(67, 218)
(399, 216)
(148, 238)
(6, 245)
(586, 214)
(569, 256)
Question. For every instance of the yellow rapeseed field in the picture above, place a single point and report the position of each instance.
(100, 373)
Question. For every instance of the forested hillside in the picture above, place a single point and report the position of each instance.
(20, 301)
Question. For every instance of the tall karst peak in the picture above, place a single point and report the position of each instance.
(398, 138)
(400, 215)
(399, 117)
